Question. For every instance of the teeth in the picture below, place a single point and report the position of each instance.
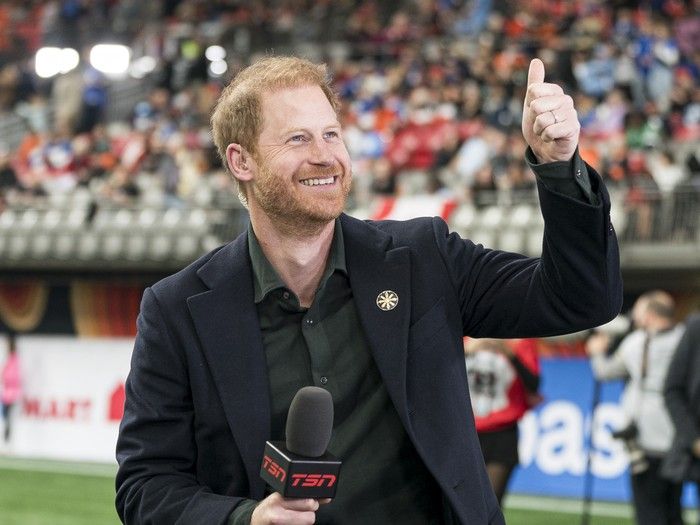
(317, 182)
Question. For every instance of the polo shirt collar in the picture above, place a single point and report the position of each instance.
(265, 277)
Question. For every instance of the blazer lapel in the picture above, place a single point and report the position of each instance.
(227, 324)
(375, 268)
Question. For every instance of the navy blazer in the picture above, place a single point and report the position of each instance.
(197, 410)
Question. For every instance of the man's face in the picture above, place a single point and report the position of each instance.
(639, 311)
(302, 170)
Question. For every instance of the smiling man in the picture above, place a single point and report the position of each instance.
(374, 312)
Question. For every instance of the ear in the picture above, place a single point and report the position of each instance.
(239, 162)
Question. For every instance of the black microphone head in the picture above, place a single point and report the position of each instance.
(310, 422)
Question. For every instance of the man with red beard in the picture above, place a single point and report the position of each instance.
(372, 311)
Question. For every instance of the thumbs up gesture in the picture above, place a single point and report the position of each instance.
(550, 123)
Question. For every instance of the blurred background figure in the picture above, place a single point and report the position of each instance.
(504, 379)
(643, 357)
(11, 387)
(682, 394)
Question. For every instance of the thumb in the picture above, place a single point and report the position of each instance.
(536, 72)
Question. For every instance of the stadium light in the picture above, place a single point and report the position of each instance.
(51, 61)
(218, 68)
(110, 59)
(215, 53)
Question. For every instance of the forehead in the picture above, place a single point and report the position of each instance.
(295, 107)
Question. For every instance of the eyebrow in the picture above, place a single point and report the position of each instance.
(306, 130)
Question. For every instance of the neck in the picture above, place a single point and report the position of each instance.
(299, 258)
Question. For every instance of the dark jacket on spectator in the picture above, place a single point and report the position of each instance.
(682, 394)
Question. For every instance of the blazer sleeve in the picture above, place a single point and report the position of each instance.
(574, 285)
(156, 481)
(677, 386)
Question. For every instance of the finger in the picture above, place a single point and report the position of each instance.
(536, 91)
(302, 518)
(305, 504)
(563, 130)
(550, 103)
(324, 501)
(543, 121)
(290, 517)
(553, 117)
(535, 74)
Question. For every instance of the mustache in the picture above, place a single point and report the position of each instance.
(321, 172)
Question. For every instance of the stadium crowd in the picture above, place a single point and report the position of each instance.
(432, 93)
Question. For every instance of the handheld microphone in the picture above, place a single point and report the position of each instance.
(301, 467)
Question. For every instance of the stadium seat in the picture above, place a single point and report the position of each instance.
(491, 217)
(75, 219)
(172, 219)
(147, 218)
(123, 219)
(533, 243)
(88, 245)
(463, 219)
(196, 220)
(29, 219)
(52, 219)
(41, 244)
(136, 245)
(511, 239)
(186, 247)
(18, 247)
(112, 245)
(484, 236)
(8, 220)
(104, 218)
(160, 247)
(64, 246)
(522, 215)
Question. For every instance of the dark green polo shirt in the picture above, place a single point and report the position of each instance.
(382, 479)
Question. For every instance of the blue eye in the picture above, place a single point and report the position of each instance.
(332, 134)
(297, 138)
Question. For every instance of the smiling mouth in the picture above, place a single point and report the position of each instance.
(319, 182)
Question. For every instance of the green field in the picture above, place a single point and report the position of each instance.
(56, 493)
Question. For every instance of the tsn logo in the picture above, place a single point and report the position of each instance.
(273, 468)
(313, 480)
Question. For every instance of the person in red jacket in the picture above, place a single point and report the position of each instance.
(504, 379)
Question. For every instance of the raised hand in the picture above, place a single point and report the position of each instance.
(550, 123)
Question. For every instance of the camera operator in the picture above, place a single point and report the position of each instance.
(643, 357)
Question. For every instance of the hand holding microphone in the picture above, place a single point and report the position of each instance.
(300, 470)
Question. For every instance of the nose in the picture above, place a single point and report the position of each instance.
(321, 153)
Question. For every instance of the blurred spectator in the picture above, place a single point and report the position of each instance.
(664, 56)
(644, 357)
(11, 386)
(595, 72)
(433, 87)
(641, 199)
(665, 171)
(504, 379)
(8, 177)
(94, 100)
(681, 388)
